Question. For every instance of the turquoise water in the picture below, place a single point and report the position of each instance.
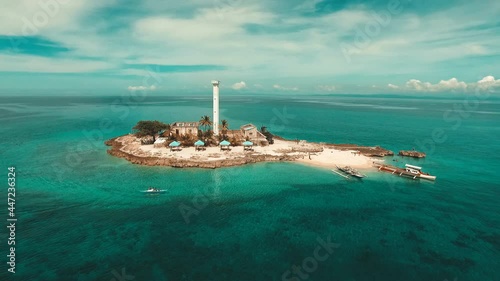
(81, 215)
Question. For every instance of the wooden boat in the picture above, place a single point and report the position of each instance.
(410, 171)
(340, 174)
(418, 170)
(351, 171)
(153, 190)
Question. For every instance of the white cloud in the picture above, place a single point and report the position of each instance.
(418, 85)
(142, 88)
(286, 47)
(239, 85)
(452, 84)
(444, 85)
(30, 63)
(488, 82)
(206, 26)
(281, 88)
(326, 88)
(28, 18)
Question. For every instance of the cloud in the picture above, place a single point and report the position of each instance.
(207, 24)
(28, 18)
(488, 82)
(326, 88)
(175, 68)
(281, 88)
(296, 42)
(417, 85)
(142, 88)
(239, 85)
(37, 64)
(444, 85)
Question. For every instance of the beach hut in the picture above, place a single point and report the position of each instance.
(175, 145)
(160, 142)
(224, 145)
(199, 145)
(247, 145)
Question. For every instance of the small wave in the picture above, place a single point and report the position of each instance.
(485, 112)
(339, 103)
(396, 107)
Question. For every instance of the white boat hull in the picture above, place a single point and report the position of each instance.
(428, 177)
(409, 172)
(153, 191)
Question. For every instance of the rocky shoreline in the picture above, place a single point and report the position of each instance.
(370, 151)
(129, 148)
(411, 153)
(116, 150)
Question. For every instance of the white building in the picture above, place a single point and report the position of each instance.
(184, 128)
(249, 131)
(215, 118)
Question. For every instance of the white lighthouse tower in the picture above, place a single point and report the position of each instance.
(215, 83)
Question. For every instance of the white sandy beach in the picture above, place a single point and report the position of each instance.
(308, 153)
(330, 158)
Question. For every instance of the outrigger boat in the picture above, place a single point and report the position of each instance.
(153, 190)
(410, 171)
(418, 170)
(351, 171)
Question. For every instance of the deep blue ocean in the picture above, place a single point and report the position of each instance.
(81, 215)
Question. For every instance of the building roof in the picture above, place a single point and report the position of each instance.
(248, 127)
(160, 140)
(185, 124)
(174, 144)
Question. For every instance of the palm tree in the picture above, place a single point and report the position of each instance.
(205, 121)
(166, 131)
(225, 127)
(187, 140)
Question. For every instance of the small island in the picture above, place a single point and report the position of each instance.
(411, 153)
(212, 144)
(193, 144)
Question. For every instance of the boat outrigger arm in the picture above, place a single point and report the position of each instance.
(413, 167)
(410, 171)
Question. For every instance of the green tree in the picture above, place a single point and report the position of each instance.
(167, 131)
(149, 128)
(225, 127)
(205, 122)
(235, 142)
(207, 136)
(187, 140)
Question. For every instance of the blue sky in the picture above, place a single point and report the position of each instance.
(292, 46)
